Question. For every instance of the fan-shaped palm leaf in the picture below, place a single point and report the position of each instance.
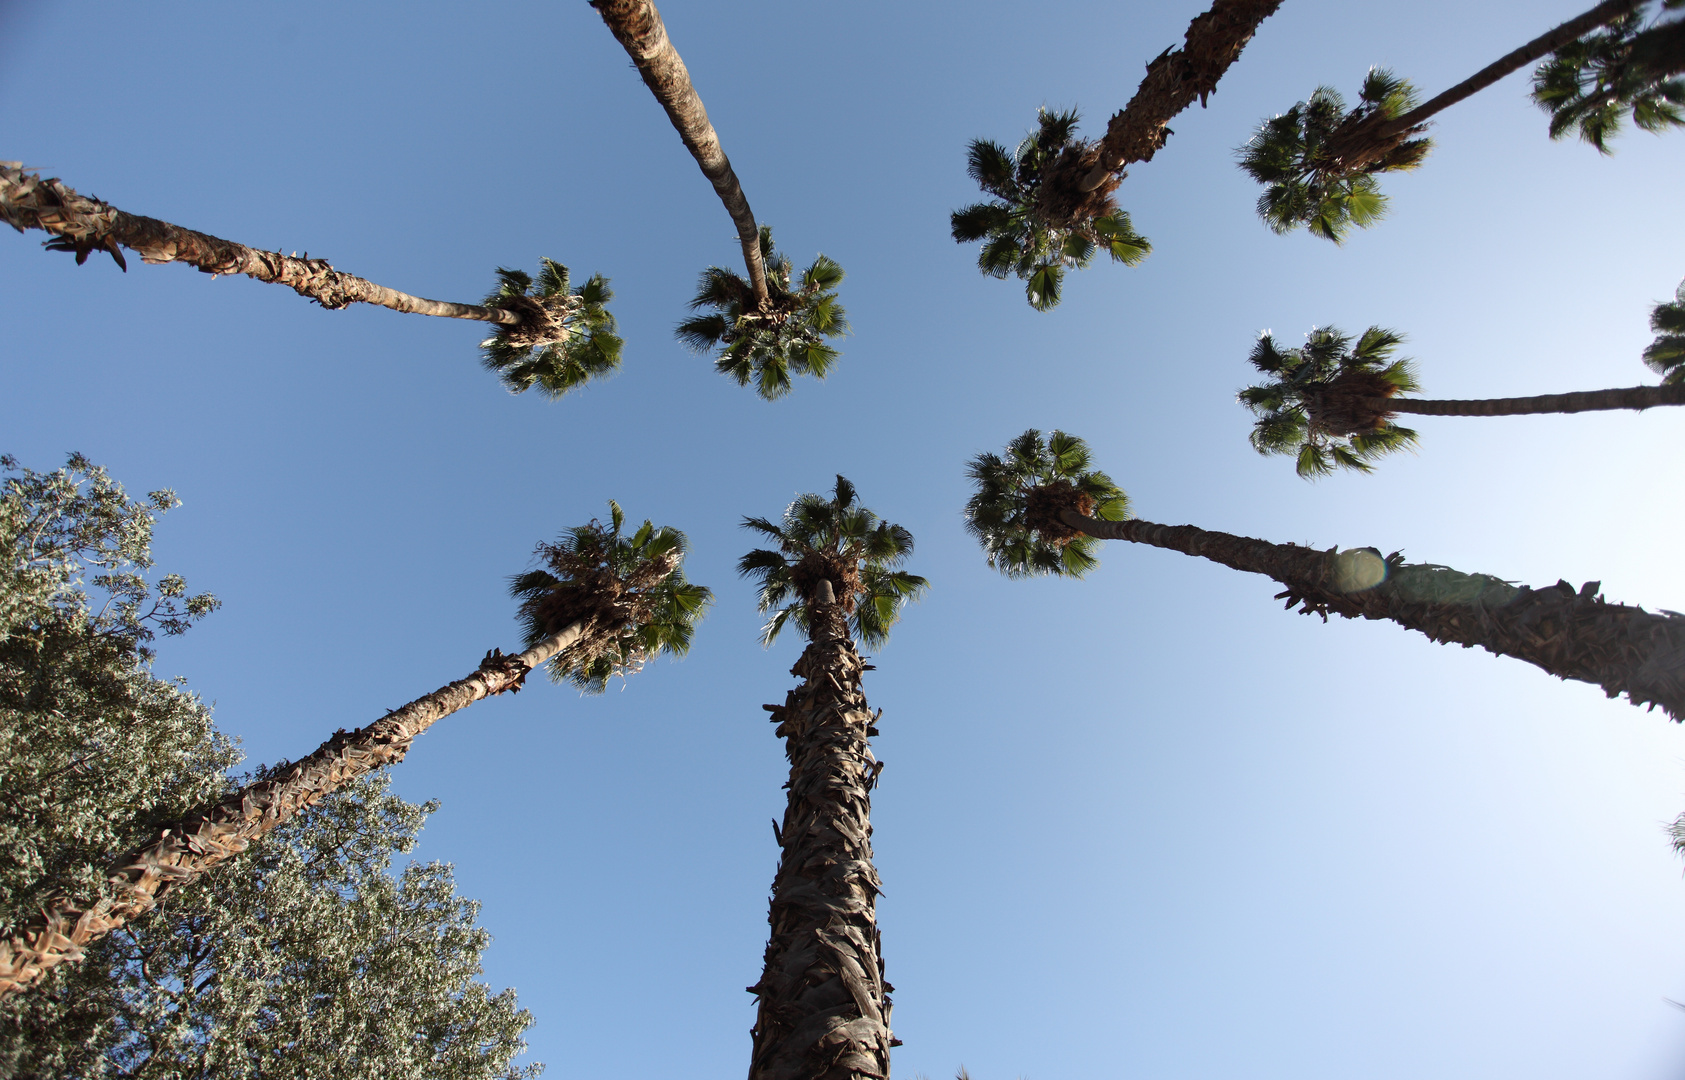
(1627, 69)
(1015, 512)
(1667, 353)
(565, 337)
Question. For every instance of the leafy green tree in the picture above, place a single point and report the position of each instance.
(764, 345)
(1667, 353)
(568, 333)
(1629, 67)
(1029, 504)
(606, 604)
(1319, 162)
(764, 330)
(1331, 403)
(824, 1007)
(1051, 204)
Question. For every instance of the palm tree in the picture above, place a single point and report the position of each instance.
(1041, 497)
(1667, 353)
(764, 344)
(534, 333)
(1626, 67)
(824, 1007)
(1051, 202)
(1331, 402)
(604, 604)
(1318, 162)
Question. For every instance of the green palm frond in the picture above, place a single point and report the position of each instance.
(1667, 353)
(1002, 513)
(566, 337)
(1625, 69)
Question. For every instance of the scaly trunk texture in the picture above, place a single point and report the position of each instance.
(1629, 397)
(639, 29)
(1372, 137)
(1572, 635)
(824, 1004)
(180, 851)
(87, 224)
(1213, 42)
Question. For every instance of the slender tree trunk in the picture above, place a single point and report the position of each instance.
(179, 851)
(824, 1005)
(639, 29)
(1213, 42)
(1629, 397)
(1572, 635)
(87, 224)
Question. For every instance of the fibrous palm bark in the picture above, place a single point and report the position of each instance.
(637, 25)
(180, 851)
(1572, 634)
(824, 1011)
(1628, 397)
(84, 224)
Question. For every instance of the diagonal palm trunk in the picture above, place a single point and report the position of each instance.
(1572, 635)
(84, 224)
(179, 851)
(1629, 397)
(637, 25)
(824, 1005)
(1213, 42)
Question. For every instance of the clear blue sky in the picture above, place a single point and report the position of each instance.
(1143, 825)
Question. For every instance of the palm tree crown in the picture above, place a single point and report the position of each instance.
(565, 337)
(1015, 513)
(1627, 67)
(1315, 171)
(1325, 403)
(630, 590)
(838, 541)
(1036, 228)
(765, 344)
(1667, 353)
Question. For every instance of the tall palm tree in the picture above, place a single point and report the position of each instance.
(603, 605)
(548, 337)
(1318, 162)
(764, 329)
(765, 345)
(1627, 67)
(1331, 402)
(1051, 203)
(824, 1007)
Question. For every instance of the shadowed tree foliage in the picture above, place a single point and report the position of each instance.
(764, 345)
(1331, 403)
(1572, 634)
(1319, 162)
(1628, 68)
(824, 1007)
(1051, 202)
(1667, 353)
(607, 605)
(566, 332)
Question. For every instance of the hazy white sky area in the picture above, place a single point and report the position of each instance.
(1142, 825)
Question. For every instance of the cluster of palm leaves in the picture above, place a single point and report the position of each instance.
(1667, 353)
(1628, 68)
(1325, 402)
(839, 541)
(764, 345)
(1015, 511)
(1022, 233)
(565, 337)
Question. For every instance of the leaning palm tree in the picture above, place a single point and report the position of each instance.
(824, 1005)
(555, 338)
(1051, 202)
(1331, 402)
(1319, 162)
(1041, 497)
(764, 309)
(603, 604)
(1628, 67)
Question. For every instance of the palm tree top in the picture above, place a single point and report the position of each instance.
(630, 590)
(1629, 67)
(565, 337)
(1667, 353)
(838, 543)
(1016, 510)
(1325, 402)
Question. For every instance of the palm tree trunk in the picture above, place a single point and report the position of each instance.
(1572, 635)
(1213, 42)
(639, 29)
(1629, 397)
(824, 1005)
(179, 851)
(87, 224)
